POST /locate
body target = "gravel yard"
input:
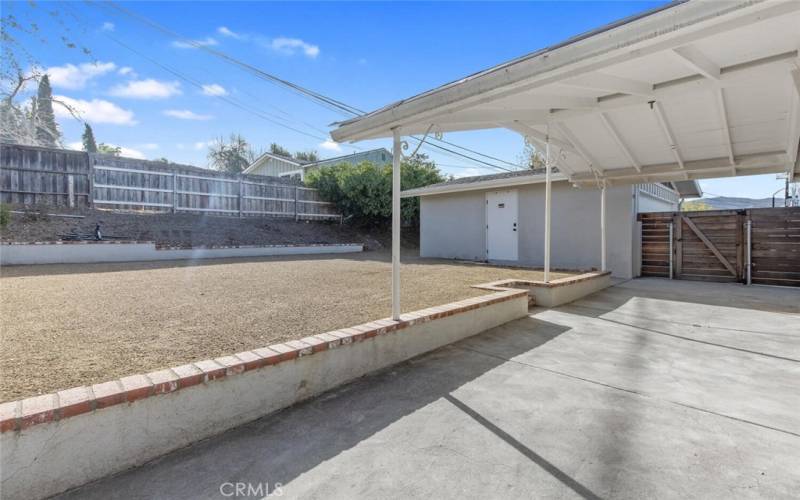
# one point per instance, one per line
(70, 325)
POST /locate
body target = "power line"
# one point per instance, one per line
(272, 118)
(326, 101)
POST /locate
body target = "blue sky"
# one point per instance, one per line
(365, 54)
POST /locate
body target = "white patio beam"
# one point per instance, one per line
(661, 118)
(543, 145)
(697, 61)
(582, 151)
(528, 131)
(618, 139)
(610, 84)
(397, 154)
(773, 161)
(726, 129)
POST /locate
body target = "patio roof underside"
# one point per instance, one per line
(697, 90)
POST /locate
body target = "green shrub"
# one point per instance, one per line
(363, 192)
(5, 215)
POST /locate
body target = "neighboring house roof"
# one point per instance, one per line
(264, 156)
(305, 164)
(350, 156)
(516, 178)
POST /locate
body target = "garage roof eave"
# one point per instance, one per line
(482, 183)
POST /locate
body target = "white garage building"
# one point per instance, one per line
(498, 218)
(690, 90)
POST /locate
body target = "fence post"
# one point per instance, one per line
(90, 162)
(174, 192)
(240, 195)
(671, 225)
(296, 212)
(71, 191)
(749, 251)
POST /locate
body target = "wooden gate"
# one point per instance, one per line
(717, 245)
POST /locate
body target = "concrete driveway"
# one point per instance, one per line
(649, 389)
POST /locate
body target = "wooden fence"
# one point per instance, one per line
(41, 176)
(760, 244)
(38, 176)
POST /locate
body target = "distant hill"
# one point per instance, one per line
(729, 202)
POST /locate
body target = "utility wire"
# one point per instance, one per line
(270, 117)
(326, 101)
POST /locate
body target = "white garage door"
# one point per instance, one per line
(501, 225)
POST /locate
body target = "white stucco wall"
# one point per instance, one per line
(453, 226)
(648, 203)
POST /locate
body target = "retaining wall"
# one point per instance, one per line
(86, 252)
(54, 442)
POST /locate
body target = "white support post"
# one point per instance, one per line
(397, 154)
(603, 258)
(547, 200)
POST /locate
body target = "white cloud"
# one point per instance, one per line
(214, 89)
(291, 46)
(130, 153)
(331, 146)
(185, 114)
(147, 89)
(150, 146)
(201, 145)
(74, 77)
(126, 71)
(206, 42)
(224, 31)
(95, 111)
(107, 26)
(123, 151)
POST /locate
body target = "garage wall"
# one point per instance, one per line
(576, 227)
(453, 226)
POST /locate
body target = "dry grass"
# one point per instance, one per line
(70, 325)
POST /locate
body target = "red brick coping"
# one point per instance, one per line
(22, 414)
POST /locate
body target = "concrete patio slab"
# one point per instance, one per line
(648, 389)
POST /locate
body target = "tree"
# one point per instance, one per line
(695, 206)
(162, 160)
(532, 158)
(89, 144)
(47, 132)
(108, 149)
(279, 150)
(363, 192)
(309, 156)
(23, 121)
(233, 156)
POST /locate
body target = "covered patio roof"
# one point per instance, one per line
(691, 90)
